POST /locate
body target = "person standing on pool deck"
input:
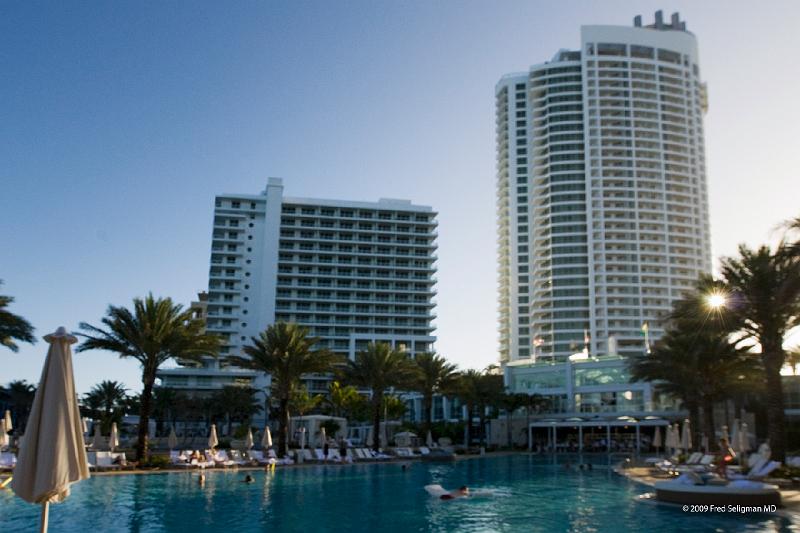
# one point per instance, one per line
(325, 449)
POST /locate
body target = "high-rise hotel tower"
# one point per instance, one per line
(601, 190)
(351, 272)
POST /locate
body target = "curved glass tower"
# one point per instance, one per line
(601, 191)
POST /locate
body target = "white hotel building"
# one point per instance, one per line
(601, 191)
(352, 272)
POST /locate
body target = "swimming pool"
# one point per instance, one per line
(530, 494)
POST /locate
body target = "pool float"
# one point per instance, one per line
(437, 491)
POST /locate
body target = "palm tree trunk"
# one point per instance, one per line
(377, 400)
(283, 427)
(427, 407)
(508, 426)
(773, 358)
(694, 419)
(145, 408)
(708, 423)
(528, 427)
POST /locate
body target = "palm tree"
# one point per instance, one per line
(510, 402)
(700, 367)
(764, 293)
(478, 391)
(13, 327)
(379, 368)
(106, 402)
(237, 404)
(155, 331)
(341, 398)
(20, 396)
(434, 376)
(287, 353)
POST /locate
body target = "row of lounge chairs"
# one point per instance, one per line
(223, 458)
(758, 466)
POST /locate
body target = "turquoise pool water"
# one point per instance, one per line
(530, 494)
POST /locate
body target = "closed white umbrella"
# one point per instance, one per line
(744, 440)
(657, 443)
(734, 442)
(212, 437)
(52, 456)
(4, 440)
(322, 437)
(429, 439)
(113, 439)
(7, 420)
(248, 442)
(370, 437)
(266, 439)
(84, 425)
(97, 441)
(172, 440)
(302, 439)
(686, 437)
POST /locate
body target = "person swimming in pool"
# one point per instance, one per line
(248, 479)
(453, 494)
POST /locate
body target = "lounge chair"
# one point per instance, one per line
(424, 450)
(319, 455)
(380, 455)
(257, 456)
(237, 458)
(306, 454)
(220, 458)
(364, 453)
(7, 460)
(334, 455)
(105, 461)
(180, 459)
(759, 474)
(350, 455)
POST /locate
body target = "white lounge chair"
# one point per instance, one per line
(334, 455)
(319, 455)
(7, 460)
(220, 458)
(424, 450)
(237, 458)
(350, 455)
(761, 473)
(306, 453)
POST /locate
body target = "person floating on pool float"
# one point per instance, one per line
(461, 492)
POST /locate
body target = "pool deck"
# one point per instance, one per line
(644, 475)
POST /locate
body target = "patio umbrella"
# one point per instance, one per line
(266, 439)
(113, 439)
(302, 438)
(212, 437)
(657, 438)
(4, 441)
(734, 442)
(370, 437)
(7, 420)
(97, 441)
(172, 440)
(744, 440)
(686, 437)
(52, 456)
(429, 439)
(322, 437)
(84, 425)
(248, 442)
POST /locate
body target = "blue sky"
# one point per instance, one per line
(121, 121)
